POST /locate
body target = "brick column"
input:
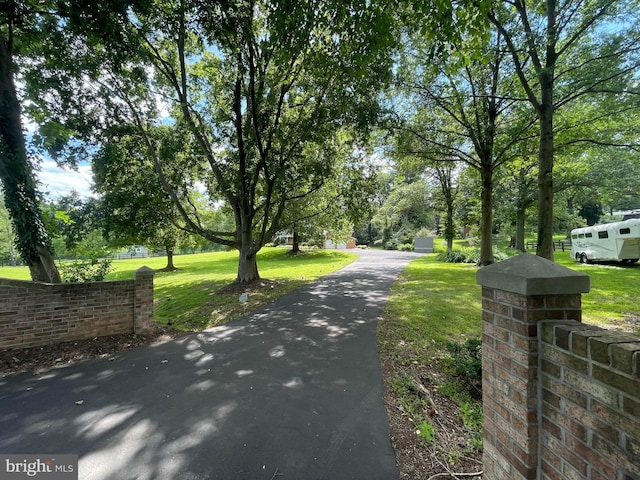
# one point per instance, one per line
(516, 295)
(143, 302)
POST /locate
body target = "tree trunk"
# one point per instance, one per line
(17, 178)
(486, 222)
(247, 266)
(449, 231)
(521, 216)
(247, 247)
(170, 266)
(545, 169)
(296, 242)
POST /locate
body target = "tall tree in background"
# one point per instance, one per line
(465, 113)
(136, 210)
(445, 174)
(563, 51)
(343, 199)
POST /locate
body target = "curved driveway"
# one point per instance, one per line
(292, 391)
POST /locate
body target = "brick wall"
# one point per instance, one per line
(561, 399)
(33, 314)
(590, 385)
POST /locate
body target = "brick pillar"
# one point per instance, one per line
(516, 294)
(143, 302)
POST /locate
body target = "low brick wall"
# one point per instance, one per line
(561, 399)
(590, 379)
(34, 314)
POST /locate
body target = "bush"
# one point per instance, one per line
(93, 270)
(470, 255)
(500, 255)
(391, 244)
(464, 255)
(467, 362)
(425, 232)
(407, 247)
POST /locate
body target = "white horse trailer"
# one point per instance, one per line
(618, 241)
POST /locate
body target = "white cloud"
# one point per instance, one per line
(56, 181)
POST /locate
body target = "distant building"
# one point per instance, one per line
(347, 244)
(283, 238)
(137, 251)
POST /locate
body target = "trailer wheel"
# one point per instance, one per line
(584, 258)
(579, 257)
(631, 261)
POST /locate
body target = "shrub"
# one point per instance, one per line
(464, 255)
(467, 362)
(406, 247)
(425, 232)
(500, 255)
(391, 244)
(93, 270)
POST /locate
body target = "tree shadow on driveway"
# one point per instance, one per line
(293, 389)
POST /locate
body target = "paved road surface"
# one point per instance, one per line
(291, 392)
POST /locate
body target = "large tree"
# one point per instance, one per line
(564, 51)
(135, 208)
(20, 25)
(254, 87)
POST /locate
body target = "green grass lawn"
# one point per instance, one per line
(189, 298)
(613, 299)
(434, 303)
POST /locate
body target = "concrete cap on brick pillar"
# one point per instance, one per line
(528, 274)
(144, 271)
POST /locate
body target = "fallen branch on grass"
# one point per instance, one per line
(455, 475)
(425, 395)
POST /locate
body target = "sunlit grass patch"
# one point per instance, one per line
(613, 299)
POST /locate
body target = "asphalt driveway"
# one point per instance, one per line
(292, 391)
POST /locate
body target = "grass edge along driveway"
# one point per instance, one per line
(433, 303)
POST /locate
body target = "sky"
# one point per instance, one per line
(56, 182)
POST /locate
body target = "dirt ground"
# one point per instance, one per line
(39, 359)
(444, 458)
